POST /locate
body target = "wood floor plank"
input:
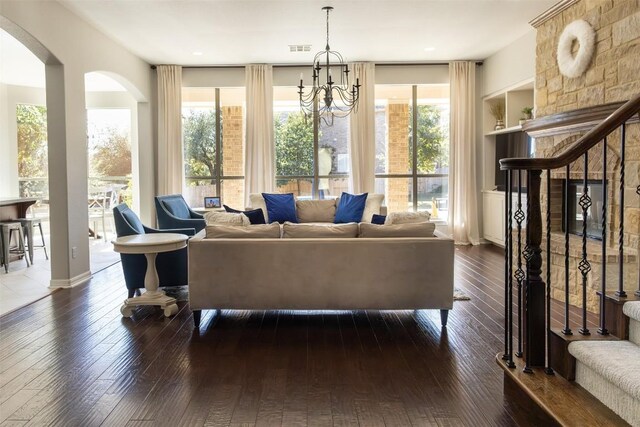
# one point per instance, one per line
(71, 359)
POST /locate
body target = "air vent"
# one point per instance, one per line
(299, 48)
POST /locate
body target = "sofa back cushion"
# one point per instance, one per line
(319, 231)
(418, 229)
(316, 210)
(407, 217)
(261, 231)
(226, 218)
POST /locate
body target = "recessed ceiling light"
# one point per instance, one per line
(429, 49)
(197, 53)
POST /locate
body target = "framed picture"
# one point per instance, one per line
(212, 202)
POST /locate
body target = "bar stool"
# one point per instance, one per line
(6, 232)
(28, 224)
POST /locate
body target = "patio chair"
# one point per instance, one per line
(171, 266)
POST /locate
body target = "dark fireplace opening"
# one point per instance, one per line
(594, 212)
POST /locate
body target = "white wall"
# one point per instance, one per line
(70, 48)
(511, 65)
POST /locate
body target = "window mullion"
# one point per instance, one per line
(414, 143)
(218, 143)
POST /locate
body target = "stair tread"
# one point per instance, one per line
(617, 361)
(566, 402)
(632, 310)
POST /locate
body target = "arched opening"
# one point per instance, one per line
(111, 144)
(24, 183)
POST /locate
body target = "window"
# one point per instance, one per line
(212, 127)
(412, 167)
(310, 161)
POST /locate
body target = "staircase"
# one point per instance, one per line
(571, 375)
(610, 370)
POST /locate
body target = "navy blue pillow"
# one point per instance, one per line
(280, 207)
(255, 216)
(378, 219)
(350, 208)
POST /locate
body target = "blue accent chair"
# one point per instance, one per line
(171, 266)
(173, 212)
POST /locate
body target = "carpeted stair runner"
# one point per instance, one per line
(610, 370)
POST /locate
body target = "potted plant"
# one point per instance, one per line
(527, 113)
(497, 111)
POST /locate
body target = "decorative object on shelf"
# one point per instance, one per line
(496, 109)
(323, 97)
(582, 33)
(527, 113)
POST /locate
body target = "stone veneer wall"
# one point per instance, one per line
(232, 156)
(398, 116)
(613, 75)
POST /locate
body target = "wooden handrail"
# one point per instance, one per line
(581, 146)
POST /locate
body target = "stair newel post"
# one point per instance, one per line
(620, 292)
(519, 275)
(547, 345)
(534, 295)
(507, 262)
(567, 328)
(584, 266)
(602, 330)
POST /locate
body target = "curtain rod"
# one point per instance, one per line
(377, 64)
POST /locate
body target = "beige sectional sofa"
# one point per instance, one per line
(266, 267)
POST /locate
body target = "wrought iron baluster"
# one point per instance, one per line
(584, 266)
(602, 330)
(567, 329)
(519, 274)
(620, 292)
(509, 244)
(547, 368)
(507, 257)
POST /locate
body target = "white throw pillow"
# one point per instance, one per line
(226, 218)
(407, 217)
(257, 202)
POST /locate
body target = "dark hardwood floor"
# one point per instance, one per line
(72, 360)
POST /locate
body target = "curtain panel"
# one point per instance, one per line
(463, 205)
(260, 145)
(170, 161)
(362, 129)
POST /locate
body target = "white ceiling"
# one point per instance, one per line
(254, 31)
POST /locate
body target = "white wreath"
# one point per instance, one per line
(581, 32)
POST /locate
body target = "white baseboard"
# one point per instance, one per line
(72, 282)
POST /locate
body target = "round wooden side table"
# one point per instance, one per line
(150, 245)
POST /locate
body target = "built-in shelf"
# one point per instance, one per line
(505, 130)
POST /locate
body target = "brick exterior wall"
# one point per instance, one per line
(397, 189)
(613, 75)
(232, 156)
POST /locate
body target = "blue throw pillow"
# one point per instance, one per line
(177, 207)
(378, 219)
(280, 207)
(350, 208)
(255, 216)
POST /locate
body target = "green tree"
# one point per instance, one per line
(32, 140)
(199, 144)
(113, 156)
(433, 139)
(294, 144)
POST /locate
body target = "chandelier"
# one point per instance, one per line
(333, 98)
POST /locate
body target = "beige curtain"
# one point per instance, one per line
(260, 146)
(170, 164)
(362, 141)
(463, 205)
